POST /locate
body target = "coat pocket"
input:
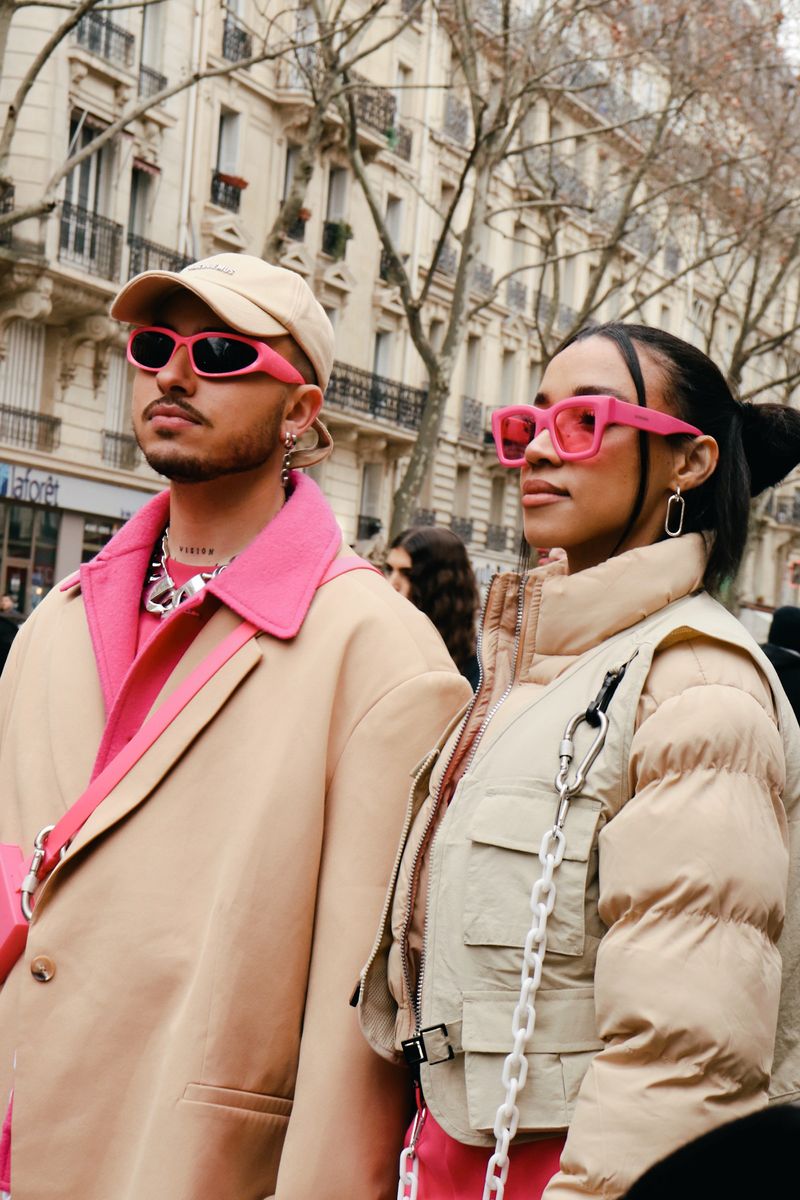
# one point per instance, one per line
(506, 831)
(563, 1044)
(244, 1102)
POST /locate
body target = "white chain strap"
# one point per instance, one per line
(409, 1163)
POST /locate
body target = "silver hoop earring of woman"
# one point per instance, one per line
(676, 510)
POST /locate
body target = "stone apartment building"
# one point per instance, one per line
(205, 171)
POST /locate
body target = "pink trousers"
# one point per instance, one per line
(449, 1170)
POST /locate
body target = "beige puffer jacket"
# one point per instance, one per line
(657, 1013)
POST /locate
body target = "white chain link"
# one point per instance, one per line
(409, 1163)
(515, 1067)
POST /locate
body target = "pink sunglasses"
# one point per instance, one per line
(212, 355)
(576, 426)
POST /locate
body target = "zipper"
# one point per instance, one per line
(415, 997)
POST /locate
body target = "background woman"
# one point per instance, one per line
(630, 1001)
(431, 568)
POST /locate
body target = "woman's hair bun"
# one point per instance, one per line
(771, 438)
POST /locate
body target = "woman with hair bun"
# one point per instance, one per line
(431, 568)
(591, 948)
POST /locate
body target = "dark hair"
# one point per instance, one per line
(443, 585)
(758, 443)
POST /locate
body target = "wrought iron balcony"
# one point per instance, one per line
(408, 6)
(149, 256)
(35, 430)
(225, 192)
(456, 119)
(482, 279)
(297, 230)
(385, 268)
(150, 81)
(366, 394)
(424, 516)
(472, 419)
(497, 538)
(376, 106)
(120, 450)
(95, 32)
(462, 527)
(551, 171)
(401, 142)
(90, 241)
(6, 206)
(237, 43)
(335, 236)
(516, 295)
(368, 526)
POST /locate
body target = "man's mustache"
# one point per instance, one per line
(175, 402)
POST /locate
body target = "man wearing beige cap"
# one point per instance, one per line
(178, 1025)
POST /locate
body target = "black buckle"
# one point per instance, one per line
(415, 1050)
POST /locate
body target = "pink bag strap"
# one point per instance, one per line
(151, 730)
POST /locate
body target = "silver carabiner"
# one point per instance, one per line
(566, 787)
(31, 880)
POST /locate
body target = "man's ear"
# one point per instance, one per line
(302, 408)
(695, 462)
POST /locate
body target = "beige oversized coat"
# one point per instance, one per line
(208, 923)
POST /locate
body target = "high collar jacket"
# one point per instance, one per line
(667, 975)
(193, 1034)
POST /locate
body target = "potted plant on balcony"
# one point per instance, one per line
(337, 235)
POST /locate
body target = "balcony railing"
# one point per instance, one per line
(370, 395)
(482, 279)
(516, 295)
(6, 206)
(149, 256)
(401, 142)
(297, 230)
(462, 527)
(375, 106)
(225, 192)
(551, 171)
(497, 538)
(95, 32)
(237, 43)
(335, 236)
(120, 450)
(34, 430)
(90, 241)
(456, 119)
(424, 516)
(472, 419)
(150, 81)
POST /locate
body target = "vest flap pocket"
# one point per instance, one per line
(505, 830)
(517, 817)
(565, 1022)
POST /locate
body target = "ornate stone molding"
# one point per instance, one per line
(28, 297)
(103, 333)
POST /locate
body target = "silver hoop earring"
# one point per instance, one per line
(289, 442)
(676, 514)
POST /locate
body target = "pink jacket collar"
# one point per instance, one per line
(272, 583)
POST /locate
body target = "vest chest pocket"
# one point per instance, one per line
(505, 831)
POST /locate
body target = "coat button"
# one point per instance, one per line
(43, 968)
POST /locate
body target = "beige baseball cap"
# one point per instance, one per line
(253, 297)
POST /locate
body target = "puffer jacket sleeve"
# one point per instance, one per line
(693, 878)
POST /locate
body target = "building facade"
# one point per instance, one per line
(205, 171)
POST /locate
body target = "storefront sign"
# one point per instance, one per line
(52, 490)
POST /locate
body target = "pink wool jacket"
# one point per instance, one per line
(207, 925)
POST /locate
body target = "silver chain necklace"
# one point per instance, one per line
(165, 596)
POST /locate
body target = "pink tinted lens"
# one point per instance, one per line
(516, 432)
(575, 428)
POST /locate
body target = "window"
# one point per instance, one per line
(497, 504)
(508, 376)
(138, 210)
(369, 519)
(332, 315)
(228, 142)
(152, 37)
(117, 390)
(86, 184)
(665, 317)
(472, 368)
(292, 155)
(336, 208)
(402, 91)
(436, 333)
(394, 218)
(22, 368)
(382, 353)
(462, 491)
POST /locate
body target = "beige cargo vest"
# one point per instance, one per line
(483, 863)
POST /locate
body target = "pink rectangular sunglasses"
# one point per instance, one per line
(212, 355)
(576, 426)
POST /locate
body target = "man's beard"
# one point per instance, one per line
(245, 453)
